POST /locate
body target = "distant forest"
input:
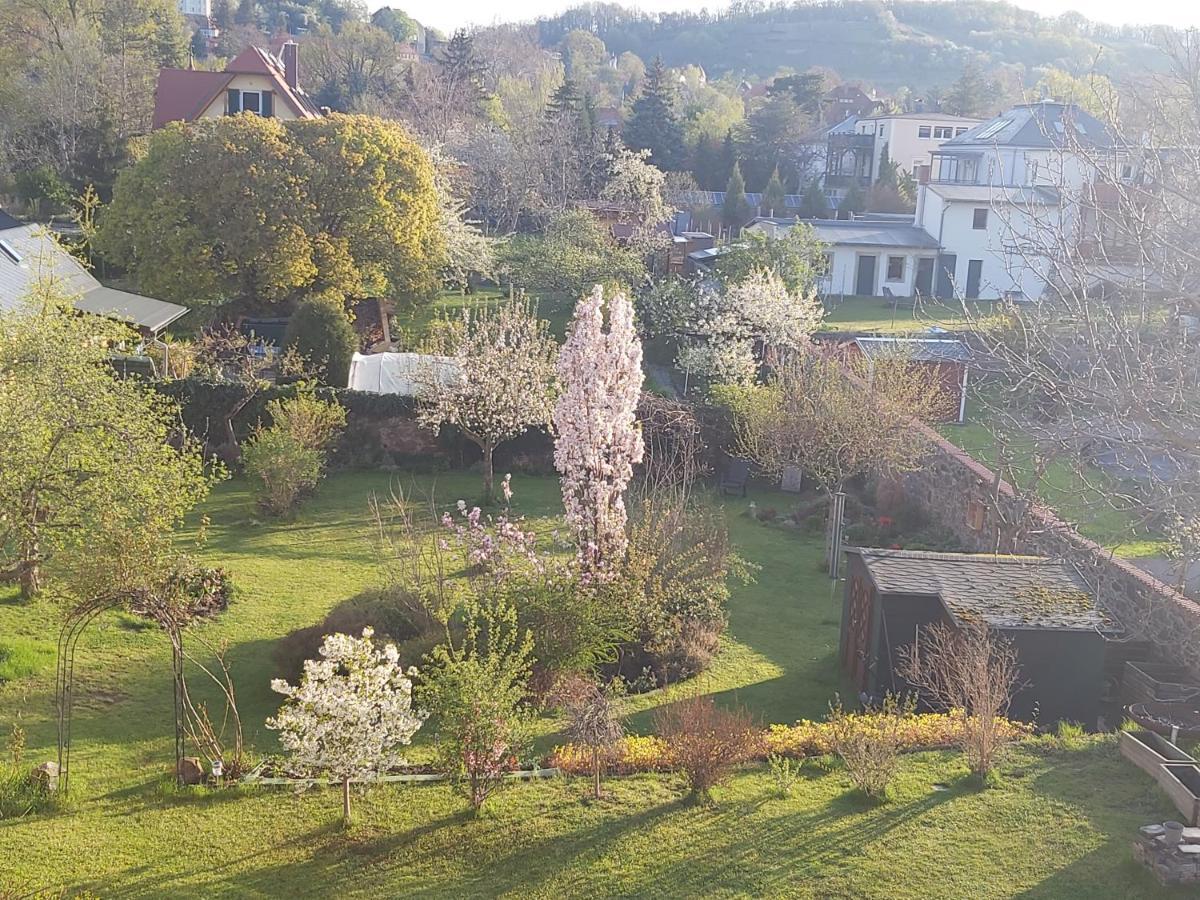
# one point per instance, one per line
(917, 43)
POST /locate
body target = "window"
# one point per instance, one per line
(975, 514)
(895, 268)
(924, 131)
(261, 103)
(994, 129)
(979, 221)
(962, 129)
(942, 132)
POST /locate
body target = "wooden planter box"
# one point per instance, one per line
(1181, 781)
(1149, 751)
(1145, 682)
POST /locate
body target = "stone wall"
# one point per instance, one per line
(988, 515)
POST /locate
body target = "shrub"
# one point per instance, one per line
(476, 689)
(379, 610)
(287, 460)
(21, 794)
(320, 331)
(283, 470)
(593, 721)
(923, 731)
(705, 742)
(870, 745)
(785, 772)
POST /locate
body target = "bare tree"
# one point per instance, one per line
(969, 671)
(593, 720)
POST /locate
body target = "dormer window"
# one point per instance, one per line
(261, 103)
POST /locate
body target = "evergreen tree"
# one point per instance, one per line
(971, 94)
(736, 210)
(814, 204)
(889, 173)
(855, 201)
(565, 101)
(653, 122)
(728, 157)
(774, 201)
(222, 15)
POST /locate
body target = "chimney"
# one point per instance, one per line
(291, 64)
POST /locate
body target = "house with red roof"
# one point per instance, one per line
(255, 81)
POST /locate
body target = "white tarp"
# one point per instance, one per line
(397, 373)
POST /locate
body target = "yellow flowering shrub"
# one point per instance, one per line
(921, 731)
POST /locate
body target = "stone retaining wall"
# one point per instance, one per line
(988, 515)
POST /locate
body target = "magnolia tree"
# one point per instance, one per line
(499, 381)
(599, 440)
(351, 712)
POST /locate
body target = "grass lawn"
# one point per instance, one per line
(1059, 827)
(554, 308)
(874, 314)
(1080, 499)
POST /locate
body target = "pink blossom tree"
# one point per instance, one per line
(598, 439)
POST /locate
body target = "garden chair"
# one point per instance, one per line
(737, 473)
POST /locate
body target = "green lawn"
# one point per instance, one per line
(874, 314)
(1058, 827)
(1083, 498)
(555, 308)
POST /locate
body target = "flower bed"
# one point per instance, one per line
(923, 731)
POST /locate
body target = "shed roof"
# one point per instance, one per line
(1006, 592)
(41, 257)
(873, 233)
(7, 221)
(919, 349)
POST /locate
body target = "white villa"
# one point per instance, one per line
(992, 200)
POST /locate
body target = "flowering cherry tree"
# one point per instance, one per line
(502, 381)
(351, 712)
(598, 438)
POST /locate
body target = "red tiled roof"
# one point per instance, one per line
(182, 94)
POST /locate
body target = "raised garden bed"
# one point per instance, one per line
(1148, 682)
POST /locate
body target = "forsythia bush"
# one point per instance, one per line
(918, 732)
(923, 731)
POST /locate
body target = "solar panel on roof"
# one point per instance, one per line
(993, 129)
(10, 251)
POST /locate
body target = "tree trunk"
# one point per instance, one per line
(30, 569)
(489, 475)
(346, 801)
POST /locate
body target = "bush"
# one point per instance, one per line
(320, 331)
(287, 460)
(379, 610)
(21, 794)
(785, 772)
(923, 731)
(282, 470)
(870, 745)
(705, 742)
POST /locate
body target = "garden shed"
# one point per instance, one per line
(1040, 605)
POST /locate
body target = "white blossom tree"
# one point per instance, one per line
(500, 381)
(728, 324)
(351, 712)
(598, 439)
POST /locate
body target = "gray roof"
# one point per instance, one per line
(1045, 124)
(7, 221)
(41, 257)
(1004, 591)
(873, 234)
(918, 349)
(982, 193)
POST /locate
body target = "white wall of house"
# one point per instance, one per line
(895, 269)
(902, 134)
(202, 8)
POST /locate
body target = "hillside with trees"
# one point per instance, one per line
(904, 43)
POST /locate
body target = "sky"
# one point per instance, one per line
(449, 15)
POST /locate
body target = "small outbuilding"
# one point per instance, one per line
(948, 358)
(1042, 606)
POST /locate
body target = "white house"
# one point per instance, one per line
(990, 204)
(856, 147)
